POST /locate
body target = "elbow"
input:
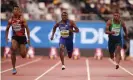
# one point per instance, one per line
(106, 32)
(7, 29)
(77, 31)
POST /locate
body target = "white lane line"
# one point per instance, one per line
(22, 65)
(88, 70)
(122, 67)
(48, 70)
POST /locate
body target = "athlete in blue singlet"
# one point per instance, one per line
(114, 29)
(66, 40)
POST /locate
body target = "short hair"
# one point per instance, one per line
(64, 13)
(16, 6)
(116, 11)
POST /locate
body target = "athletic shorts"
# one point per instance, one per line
(68, 43)
(112, 44)
(20, 39)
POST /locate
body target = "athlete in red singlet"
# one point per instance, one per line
(19, 39)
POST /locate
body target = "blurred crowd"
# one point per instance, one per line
(77, 9)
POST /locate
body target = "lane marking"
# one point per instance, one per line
(22, 65)
(50, 69)
(121, 67)
(88, 70)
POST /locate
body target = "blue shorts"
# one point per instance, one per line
(112, 44)
(68, 44)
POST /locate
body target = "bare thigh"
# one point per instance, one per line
(23, 50)
(14, 46)
(62, 47)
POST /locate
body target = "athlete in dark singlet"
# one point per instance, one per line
(66, 40)
(114, 30)
(19, 40)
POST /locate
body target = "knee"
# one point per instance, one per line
(111, 55)
(118, 48)
(70, 56)
(13, 49)
(61, 49)
(13, 55)
(23, 54)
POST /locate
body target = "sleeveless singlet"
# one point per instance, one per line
(17, 27)
(116, 27)
(64, 29)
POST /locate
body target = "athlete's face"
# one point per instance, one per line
(64, 16)
(116, 16)
(16, 11)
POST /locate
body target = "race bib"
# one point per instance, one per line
(64, 33)
(17, 28)
(116, 30)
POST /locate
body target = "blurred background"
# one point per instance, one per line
(89, 15)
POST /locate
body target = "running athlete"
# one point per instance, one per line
(114, 28)
(18, 39)
(66, 40)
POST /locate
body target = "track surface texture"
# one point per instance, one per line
(86, 68)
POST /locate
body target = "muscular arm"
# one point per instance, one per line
(54, 29)
(124, 28)
(76, 29)
(107, 27)
(26, 27)
(7, 28)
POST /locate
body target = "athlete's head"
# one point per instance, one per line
(16, 10)
(116, 15)
(64, 16)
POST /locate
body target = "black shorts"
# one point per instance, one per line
(112, 44)
(20, 39)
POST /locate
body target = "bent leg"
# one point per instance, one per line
(13, 54)
(69, 47)
(62, 48)
(23, 50)
(118, 54)
(111, 47)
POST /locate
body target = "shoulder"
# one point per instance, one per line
(122, 22)
(22, 19)
(71, 21)
(57, 24)
(109, 21)
(10, 20)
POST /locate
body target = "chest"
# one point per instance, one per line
(64, 26)
(16, 23)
